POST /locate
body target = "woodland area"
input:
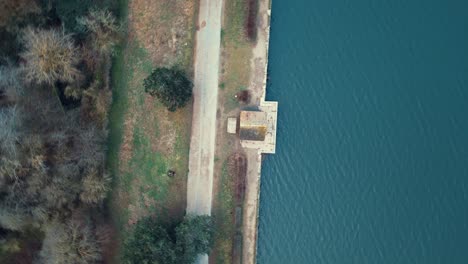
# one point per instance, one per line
(55, 58)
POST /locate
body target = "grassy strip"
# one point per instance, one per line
(224, 217)
(237, 51)
(145, 141)
(145, 174)
(234, 21)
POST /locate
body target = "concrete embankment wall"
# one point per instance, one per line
(252, 199)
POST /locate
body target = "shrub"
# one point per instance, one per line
(102, 28)
(73, 92)
(96, 102)
(171, 86)
(194, 236)
(94, 187)
(50, 56)
(149, 243)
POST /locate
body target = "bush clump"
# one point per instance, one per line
(151, 243)
(194, 236)
(171, 86)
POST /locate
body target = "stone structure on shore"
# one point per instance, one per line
(257, 129)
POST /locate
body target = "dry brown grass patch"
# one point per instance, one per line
(161, 27)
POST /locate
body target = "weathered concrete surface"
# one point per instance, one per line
(259, 61)
(250, 216)
(259, 64)
(267, 146)
(202, 145)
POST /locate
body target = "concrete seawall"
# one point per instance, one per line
(258, 84)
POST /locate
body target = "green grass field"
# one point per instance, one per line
(237, 52)
(224, 218)
(145, 140)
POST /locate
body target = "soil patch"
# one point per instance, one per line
(238, 170)
(244, 97)
(251, 21)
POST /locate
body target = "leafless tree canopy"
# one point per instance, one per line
(72, 242)
(103, 28)
(50, 56)
(52, 152)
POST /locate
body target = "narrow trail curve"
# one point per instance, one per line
(202, 144)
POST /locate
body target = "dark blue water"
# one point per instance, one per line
(372, 155)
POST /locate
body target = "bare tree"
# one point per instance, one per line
(63, 187)
(103, 29)
(73, 242)
(94, 187)
(33, 150)
(50, 56)
(90, 147)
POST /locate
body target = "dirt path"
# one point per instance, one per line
(202, 145)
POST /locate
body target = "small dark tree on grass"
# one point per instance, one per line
(194, 236)
(150, 242)
(171, 86)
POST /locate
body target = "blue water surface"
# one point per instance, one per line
(372, 155)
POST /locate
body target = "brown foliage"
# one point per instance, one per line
(50, 56)
(52, 159)
(54, 152)
(73, 242)
(96, 103)
(94, 187)
(103, 30)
